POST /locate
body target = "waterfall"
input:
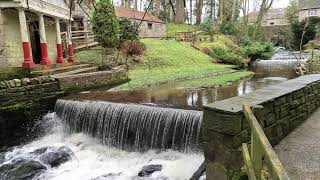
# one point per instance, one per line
(131, 126)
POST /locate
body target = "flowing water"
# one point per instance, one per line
(119, 132)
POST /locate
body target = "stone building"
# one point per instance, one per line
(274, 17)
(151, 26)
(309, 8)
(30, 32)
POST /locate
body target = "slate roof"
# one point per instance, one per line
(309, 4)
(136, 15)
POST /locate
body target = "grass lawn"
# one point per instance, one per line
(215, 80)
(92, 55)
(173, 28)
(219, 41)
(167, 60)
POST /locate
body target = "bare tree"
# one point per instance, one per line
(179, 6)
(264, 7)
(190, 11)
(199, 5)
(157, 7)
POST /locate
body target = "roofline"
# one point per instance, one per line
(143, 20)
(300, 9)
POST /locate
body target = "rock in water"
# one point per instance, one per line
(21, 169)
(148, 170)
(56, 157)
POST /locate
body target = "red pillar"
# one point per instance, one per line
(43, 41)
(70, 45)
(59, 44)
(28, 62)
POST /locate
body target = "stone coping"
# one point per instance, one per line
(234, 105)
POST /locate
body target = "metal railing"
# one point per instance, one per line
(262, 162)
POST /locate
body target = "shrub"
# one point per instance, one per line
(257, 50)
(207, 51)
(105, 24)
(225, 55)
(133, 48)
(244, 41)
(128, 31)
(229, 28)
(209, 27)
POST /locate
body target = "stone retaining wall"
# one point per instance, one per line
(18, 90)
(279, 109)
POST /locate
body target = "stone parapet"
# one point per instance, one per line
(279, 109)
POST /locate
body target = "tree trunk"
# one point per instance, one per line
(211, 9)
(190, 15)
(233, 10)
(179, 6)
(199, 4)
(265, 6)
(157, 7)
(221, 10)
(136, 5)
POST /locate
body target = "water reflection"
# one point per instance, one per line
(267, 72)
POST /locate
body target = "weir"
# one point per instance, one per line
(131, 126)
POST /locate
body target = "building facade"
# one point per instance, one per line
(274, 17)
(151, 26)
(30, 32)
(309, 8)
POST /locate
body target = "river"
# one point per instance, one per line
(94, 158)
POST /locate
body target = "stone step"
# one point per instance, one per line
(78, 71)
(57, 70)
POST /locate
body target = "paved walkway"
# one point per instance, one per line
(299, 152)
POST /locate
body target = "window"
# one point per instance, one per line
(312, 12)
(271, 23)
(149, 25)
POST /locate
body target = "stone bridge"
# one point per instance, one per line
(280, 110)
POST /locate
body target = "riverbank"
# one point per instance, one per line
(169, 60)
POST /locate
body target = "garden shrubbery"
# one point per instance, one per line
(257, 50)
(227, 56)
(134, 49)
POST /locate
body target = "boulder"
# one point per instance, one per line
(40, 151)
(149, 169)
(21, 168)
(56, 157)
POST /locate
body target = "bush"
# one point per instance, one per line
(105, 24)
(257, 50)
(229, 28)
(244, 41)
(225, 55)
(133, 48)
(207, 51)
(128, 31)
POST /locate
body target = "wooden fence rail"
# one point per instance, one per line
(262, 156)
(81, 39)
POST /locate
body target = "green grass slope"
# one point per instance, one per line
(168, 60)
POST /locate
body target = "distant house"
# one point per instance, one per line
(151, 26)
(274, 17)
(309, 8)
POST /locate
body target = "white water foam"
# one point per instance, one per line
(93, 159)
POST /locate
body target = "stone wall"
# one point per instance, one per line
(13, 92)
(84, 81)
(279, 109)
(157, 29)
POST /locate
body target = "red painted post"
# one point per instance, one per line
(28, 62)
(70, 46)
(43, 41)
(59, 43)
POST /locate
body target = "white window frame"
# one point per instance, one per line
(312, 12)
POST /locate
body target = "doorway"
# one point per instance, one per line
(35, 41)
